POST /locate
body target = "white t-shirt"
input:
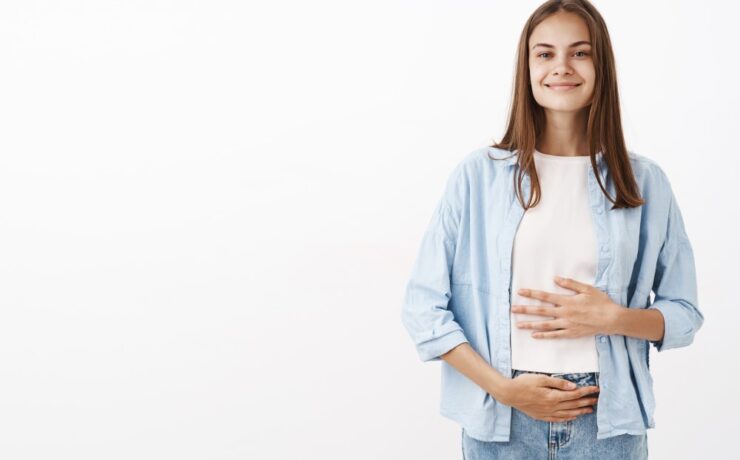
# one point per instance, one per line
(556, 237)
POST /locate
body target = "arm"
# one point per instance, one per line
(471, 364)
(641, 323)
(438, 336)
(424, 314)
(673, 319)
(541, 397)
(670, 322)
(674, 285)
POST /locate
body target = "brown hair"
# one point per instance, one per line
(604, 127)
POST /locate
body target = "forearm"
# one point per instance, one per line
(469, 363)
(639, 322)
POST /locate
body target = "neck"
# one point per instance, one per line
(564, 134)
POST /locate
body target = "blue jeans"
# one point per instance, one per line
(537, 439)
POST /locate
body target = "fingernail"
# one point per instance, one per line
(571, 385)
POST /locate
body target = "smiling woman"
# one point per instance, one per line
(531, 283)
(560, 63)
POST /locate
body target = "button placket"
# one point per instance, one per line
(597, 200)
(506, 246)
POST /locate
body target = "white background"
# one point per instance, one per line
(209, 209)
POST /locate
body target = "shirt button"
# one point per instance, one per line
(599, 210)
(603, 339)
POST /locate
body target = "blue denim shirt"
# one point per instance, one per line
(460, 287)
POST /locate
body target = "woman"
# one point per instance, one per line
(534, 366)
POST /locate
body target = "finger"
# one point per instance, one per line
(535, 310)
(579, 393)
(553, 298)
(544, 325)
(576, 403)
(552, 334)
(560, 384)
(573, 285)
(572, 412)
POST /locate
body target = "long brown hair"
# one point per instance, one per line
(604, 127)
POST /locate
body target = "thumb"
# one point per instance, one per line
(561, 384)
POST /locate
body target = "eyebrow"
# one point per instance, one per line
(579, 43)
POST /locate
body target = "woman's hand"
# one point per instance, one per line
(589, 312)
(548, 398)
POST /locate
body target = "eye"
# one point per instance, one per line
(585, 53)
(540, 55)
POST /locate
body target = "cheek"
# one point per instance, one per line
(535, 79)
(588, 73)
(537, 90)
(589, 88)
(536, 73)
(535, 68)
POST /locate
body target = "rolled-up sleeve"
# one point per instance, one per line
(424, 311)
(675, 284)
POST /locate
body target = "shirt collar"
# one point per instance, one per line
(511, 158)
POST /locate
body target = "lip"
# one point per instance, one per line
(563, 86)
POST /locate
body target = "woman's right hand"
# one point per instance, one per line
(548, 398)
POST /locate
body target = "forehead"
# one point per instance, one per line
(560, 29)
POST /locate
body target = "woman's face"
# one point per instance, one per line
(560, 52)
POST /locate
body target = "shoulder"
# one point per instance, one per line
(480, 162)
(472, 170)
(483, 161)
(643, 164)
(649, 174)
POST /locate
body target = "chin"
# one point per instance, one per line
(559, 106)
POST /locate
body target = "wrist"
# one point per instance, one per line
(500, 388)
(614, 319)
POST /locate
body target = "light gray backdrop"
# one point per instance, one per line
(209, 210)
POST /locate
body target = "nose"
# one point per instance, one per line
(562, 67)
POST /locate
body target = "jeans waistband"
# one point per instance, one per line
(579, 378)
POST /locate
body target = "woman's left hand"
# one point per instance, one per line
(589, 312)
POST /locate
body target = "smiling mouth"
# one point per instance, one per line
(563, 87)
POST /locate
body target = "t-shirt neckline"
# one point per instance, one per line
(569, 158)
